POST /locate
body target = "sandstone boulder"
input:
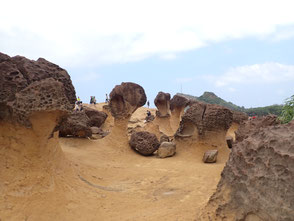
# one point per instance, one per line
(144, 142)
(210, 156)
(28, 86)
(166, 149)
(257, 181)
(162, 102)
(125, 99)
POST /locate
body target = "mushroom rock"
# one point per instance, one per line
(125, 99)
(177, 105)
(34, 95)
(205, 122)
(257, 181)
(162, 102)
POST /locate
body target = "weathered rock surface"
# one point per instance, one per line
(125, 99)
(257, 181)
(144, 142)
(98, 133)
(178, 103)
(76, 124)
(239, 117)
(204, 118)
(97, 118)
(254, 125)
(166, 149)
(28, 86)
(164, 138)
(210, 156)
(162, 102)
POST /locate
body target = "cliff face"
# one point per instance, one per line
(257, 181)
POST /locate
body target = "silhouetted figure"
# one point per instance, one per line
(148, 104)
(106, 99)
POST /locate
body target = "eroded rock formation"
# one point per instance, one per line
(205, 121)
(34, 95)
(257, 181)
(178, 104)
(162, 102)
(125, 99)
(144, 142)
(239, 117)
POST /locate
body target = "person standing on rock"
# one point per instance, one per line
(106, 99)
(148, 104)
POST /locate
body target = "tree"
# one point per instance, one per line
(288, 110)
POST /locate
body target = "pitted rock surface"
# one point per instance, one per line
(239, 117)
(77, 124)
(206, 117)
(259, 177)
(162, 102)
(254, 125)
(144, 142)
(178, 102)
(28, 86)
(97, 118)
(125, 99)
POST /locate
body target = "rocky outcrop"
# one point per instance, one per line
(204, 119)
(77, 124)
(97, 118)
(144, 142)
(34, 96)
(166, 149)
(239, 117)
(255, 124)
(125, 99)
(28, 86)
(178, 103)
(162, 102)
(257, 181)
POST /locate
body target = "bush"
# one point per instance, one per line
(288, 110)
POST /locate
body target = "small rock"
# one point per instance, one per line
(164, 138)
(210, 156)
(95, 130)
(166, 149)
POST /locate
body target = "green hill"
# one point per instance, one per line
(211, 98)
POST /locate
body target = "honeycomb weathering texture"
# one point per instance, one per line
(206, 118)
(178, 102)
(258, 176)
(125, 99)
(144, 142)
(28, 86)
(162, 102)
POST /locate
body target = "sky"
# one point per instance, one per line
(243, 51)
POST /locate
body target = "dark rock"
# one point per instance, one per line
(239, 117)
(178, 102)
(144, 142)
(97, 118)
(229, 141)
(162, 102)
(164, 138)
(125, 99)
(76, 124)
(28, 86)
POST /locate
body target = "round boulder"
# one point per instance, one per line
(144, 142)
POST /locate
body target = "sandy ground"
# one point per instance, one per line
(105, 180)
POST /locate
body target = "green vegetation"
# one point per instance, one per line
(288, 110)
(211, 98)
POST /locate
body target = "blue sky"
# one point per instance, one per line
(241, 50)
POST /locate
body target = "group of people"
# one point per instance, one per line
(93, 100)
(78, 105)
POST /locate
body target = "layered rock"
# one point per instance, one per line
(257, 181)
(144, 142)
(162, 102)
(34, 95)
(205, 121)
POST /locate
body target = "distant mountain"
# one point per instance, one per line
(211, 98)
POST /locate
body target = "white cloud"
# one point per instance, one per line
(267, 73)
(97, 32)
(168, 57)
